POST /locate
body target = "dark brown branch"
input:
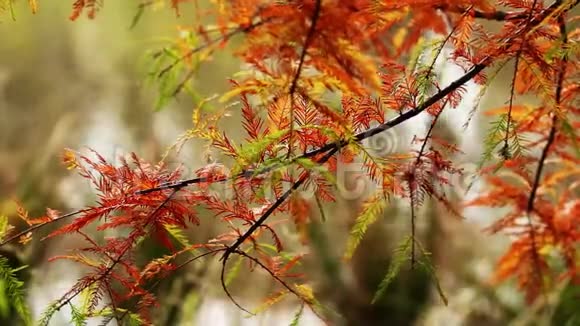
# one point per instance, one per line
(411, 193)
(180, 266)
(440, 49)
(545, 153)
(496, 15)
(225, 286)
(341, 143)
(309, 37)
(505, 150)
(234, 247)
(114, 308)
(413, 227)
(294, 84)
(264, 267)
(67, 298)
(331, 149)
(276, 277)
(247, 174)
(274, 206)
(553, 129)
(476, 69)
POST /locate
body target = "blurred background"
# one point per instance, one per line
(81, 85)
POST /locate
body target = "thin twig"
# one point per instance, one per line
(180, 266)
(505, 150)
(331, 148)
(223, 37)
(225, 287)
(340, 143)
(274, 206)
(440, 49)
(544, 156)
(69, 296)
(38, 226)
(294, 84)
(259, 263)
(413, 201)
(476, 69)
(241, 239)
(496, 15)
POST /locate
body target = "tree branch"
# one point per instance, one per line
(372, 131)
(67, 298)
(272, 208)
(496, 15)
(544, 156)
(307, 42)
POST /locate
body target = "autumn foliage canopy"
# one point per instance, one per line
(320, 77)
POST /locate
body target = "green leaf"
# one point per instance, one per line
(169, 73)
(82, 311)
(13, 290)
(297, 316)
(234, 271)
(310, 165)
(48, 313)
(319, 242)
(250, 152)
(496, 137)
(373, 208)
(320, 208)
(8, 5)
(178, 234)
(400, 256)
(417, 51)
(4, 226)
(426, 264)
(78, 317)
(4, 301)
(270, 301)
(274, 250)
(130, 319)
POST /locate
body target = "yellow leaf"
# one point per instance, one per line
(270, 301)
(5, 227)
(365, 64)
(158, 5)
(69, 159)
(33, 6)
(226, 97)
(517, 112)
(372, 210)
(399, 37)
(547, 250)
(388, 15)
(305, 292)
(24, 239)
